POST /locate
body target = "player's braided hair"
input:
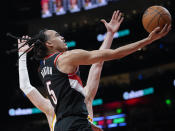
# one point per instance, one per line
(39, 46)
(37, 43)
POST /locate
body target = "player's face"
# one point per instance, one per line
(56, 41)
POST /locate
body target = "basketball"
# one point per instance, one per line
(155, 16)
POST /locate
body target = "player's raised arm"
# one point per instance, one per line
(112, 27)
(82, 57)
(95, 70)
(31, 92)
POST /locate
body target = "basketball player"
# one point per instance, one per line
(60, 75)
(44, 104)
(92, 83)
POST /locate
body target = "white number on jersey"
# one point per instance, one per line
(51, 92)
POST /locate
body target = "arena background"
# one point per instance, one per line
(136, 93)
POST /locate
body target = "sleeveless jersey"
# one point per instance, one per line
(65, 91)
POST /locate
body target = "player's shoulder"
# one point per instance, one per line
(72, 52)
(69, 56)
(75, 50)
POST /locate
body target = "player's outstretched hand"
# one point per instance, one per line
(115, 22)
(21, 42)
(157, 33)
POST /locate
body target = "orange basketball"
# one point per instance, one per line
(155, 16)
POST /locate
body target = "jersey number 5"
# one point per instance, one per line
(51, 92)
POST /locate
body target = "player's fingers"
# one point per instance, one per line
(156, 30)
(164, 29)
(104, 21)
(113, 15)
(119, 16)
(27, 38)
(168, 29)
(22, 40)
(116, 15)
(121, 20)
(19, 41)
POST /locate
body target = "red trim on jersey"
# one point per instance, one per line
(50, 55)
(74, 73)
(76, 77)
(57, 58)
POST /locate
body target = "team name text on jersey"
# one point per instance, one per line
(46, 71)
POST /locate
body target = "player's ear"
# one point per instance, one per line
(48, 43)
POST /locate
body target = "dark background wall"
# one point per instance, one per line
(155, 63)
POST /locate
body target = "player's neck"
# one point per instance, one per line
(52, 52)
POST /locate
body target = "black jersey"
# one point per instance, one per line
(65, 91)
